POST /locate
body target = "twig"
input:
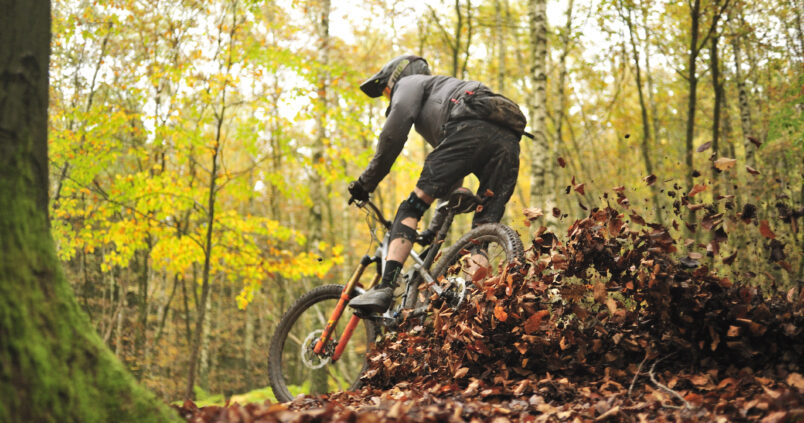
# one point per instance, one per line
(636, 375)
(665, 388)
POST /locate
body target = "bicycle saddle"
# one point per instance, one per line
(462, 200)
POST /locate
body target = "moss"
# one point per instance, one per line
(53, 366)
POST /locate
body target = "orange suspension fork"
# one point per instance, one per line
(350, 328)
(336, 314)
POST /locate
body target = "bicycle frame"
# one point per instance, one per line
(421, 268)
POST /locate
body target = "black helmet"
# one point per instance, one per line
(392, 72)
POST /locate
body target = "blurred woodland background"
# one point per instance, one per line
(200, 150)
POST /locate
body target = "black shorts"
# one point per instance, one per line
(482, 148)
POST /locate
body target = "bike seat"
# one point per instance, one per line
(462, 200)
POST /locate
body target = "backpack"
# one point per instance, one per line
(483, 104)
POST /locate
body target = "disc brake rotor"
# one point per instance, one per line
(309, 357)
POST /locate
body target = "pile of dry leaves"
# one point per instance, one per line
(608, 323)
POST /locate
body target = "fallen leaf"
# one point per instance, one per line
(724, 163)
(562, 162)
(535, 321)
(796, 380)
(500, 313)
(703, 147)
(696, 189)
(765, 230)
(533, 213)
(751, 170)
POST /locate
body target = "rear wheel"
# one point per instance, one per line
(294, 368)
(500, 243)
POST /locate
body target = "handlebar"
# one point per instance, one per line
(375, 210)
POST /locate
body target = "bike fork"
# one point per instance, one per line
(336, 314)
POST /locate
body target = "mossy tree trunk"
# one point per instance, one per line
(53, 366)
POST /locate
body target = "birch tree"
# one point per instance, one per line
(540, 154)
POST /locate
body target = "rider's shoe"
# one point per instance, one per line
(375, 300)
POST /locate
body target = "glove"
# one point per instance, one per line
(357, 192)
(425, 237)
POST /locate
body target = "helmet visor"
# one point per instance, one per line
(373, 86)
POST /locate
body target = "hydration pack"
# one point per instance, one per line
(483, 104)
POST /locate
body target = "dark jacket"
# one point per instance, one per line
(420, 100)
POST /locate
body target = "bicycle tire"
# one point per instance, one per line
(497, 233)
(289, 319)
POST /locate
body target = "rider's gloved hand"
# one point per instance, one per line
(425, 237)
(357, 192)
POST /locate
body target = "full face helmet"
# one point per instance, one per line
(394, 70)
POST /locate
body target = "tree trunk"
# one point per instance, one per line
(220, 118)
(692, 78)
(646, 139)
(54, 365)
(537, 15)
(742, 101)
(317, 191)
(717, 85)
(654, 110)
(203, 354)
(500, 42)
(248, 345)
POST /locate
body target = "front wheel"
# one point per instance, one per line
(294, 368)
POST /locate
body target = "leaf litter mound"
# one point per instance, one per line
(609, 324)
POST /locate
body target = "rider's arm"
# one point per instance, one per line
(405, 105)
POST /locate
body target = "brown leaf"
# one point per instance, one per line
(556, 212)
(724, 163)
(500, 313)
(754, 141)
(730, 259)
(533, 213)
(765, 230)
(637, 219)
(579, 189)
(795, 380)
(703, 147)
(534, 322)
(650, 179)
(562, 162)
(751, 170)
(696, 189)
(461, 372)
(612, 305)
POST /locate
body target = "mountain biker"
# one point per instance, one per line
(464, 143)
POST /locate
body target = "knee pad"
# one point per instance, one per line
(412, 207)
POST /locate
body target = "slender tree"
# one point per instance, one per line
(540, 155)
(626, 14)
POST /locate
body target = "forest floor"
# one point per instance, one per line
(609, 323)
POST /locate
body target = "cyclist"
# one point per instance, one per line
(463, 143)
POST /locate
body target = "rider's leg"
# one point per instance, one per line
(400, 246)
(497, 178)
(403, 233)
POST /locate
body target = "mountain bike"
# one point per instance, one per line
(321, 345)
